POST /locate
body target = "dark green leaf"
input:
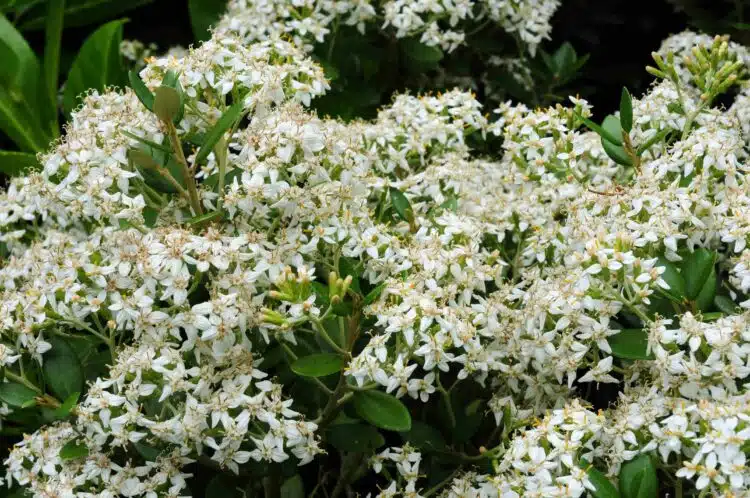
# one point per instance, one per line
(401, 204)
(382, 410)
(73, 449)
(17, 163)
(21, 90)
(97, 65)
(53, 37)
(695, 270)
(351, 267)
(318, 365)
(221, 486)
(638, 479)
(225, 122)
(205, 217)
(424, 437)
(141, 90)
(149, 453)
(626, 110)
(293, 487)
(603, 487)
(355, 437)
(80, 12)
(673, 278)
(705, 298)
(62, 369)
(420, 52)
(203, 15)
(726, 305)
(15, 394)
(167, 103)
(630, 344)
(565, 57)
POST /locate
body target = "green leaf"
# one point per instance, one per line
(382, 410)
(418, 51)
(695, 270)
(705, 298)
(21, 90)
(630, 344)
(626, 110)
(374, 294)
(565, 56)
(53, 38)
(221, 486)
(617, 153)
(73, 449)
(318, 365)
(15, 394)
(205, 217)
(293, 488)
(62, 369)
(149, 453)
(401, 204)
(424, 437)
(355, 437)
(17, 163)
(603, 487)
(97, 65)
(726, 305)
(141, 90)
(80, 12)
(351, 267)
(147, 162)
(167, 103)
(638, 479)
(225, 122)
(673, 279)
(203, 15)
(613, 128)
(606, 136)
(70, 402)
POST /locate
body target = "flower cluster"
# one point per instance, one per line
(205, 234)
(435, 22)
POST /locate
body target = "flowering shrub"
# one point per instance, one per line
(209, 279)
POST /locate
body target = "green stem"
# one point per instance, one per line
(447, 401)
(323, 334)
(192, 189)
(22, 380)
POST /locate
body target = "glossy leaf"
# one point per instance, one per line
(695, 270)
(604, 134)
(617, 153)
(630, 344)
(638, 479)
(53, 39)
(705, 298)
(318, 365)
(62, 369)
(73, 449)
(70, 402)
(141, 90)
(203, 15)
(15, 394)
(97, 65)
(726, 305)
(355, 437)
(613, 128)
(80, 12)
(225, 122)
(374, 294)
(21, 90)
(401, 204)
(673, 278)
(424, 436)
(603, 487)
(382, 410)
(14, 163)
(626, 110)
(292, 488)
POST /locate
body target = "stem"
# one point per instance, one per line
(322, 332)
(437, 487)
(22, 380)
(221, 158)
(447, 401)
(690, 119)
(192, 190)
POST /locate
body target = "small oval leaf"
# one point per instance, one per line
(401, 204)
(318, 365)
(695, 270)
(705, 298)
(603, 487)
(167, 103)
(673, 278)
(16, 394)
(638, 479)
(62, 369)
(141, 90)
(382, 410)
(630, 344)
(73, 449)
(626, 110)
(616, 153)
